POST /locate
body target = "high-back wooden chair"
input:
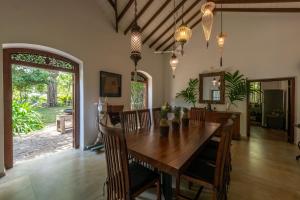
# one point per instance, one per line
(114, 113)
(124, 181)
(144, 118)
(156, 116)
(129, 121)
(197, 115)
(207, 175)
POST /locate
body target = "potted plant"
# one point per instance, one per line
(185, 117)
(190, 93)
(176, 119)
(237, 88)
(163, 124)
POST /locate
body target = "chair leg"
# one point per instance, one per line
(215, 195)
(158, 190)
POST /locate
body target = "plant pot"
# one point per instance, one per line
(175, 126)
(164, 130)
(185, 122)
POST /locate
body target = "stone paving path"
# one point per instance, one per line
(40, 143)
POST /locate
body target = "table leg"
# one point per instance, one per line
(167, 186)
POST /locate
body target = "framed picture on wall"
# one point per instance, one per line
(110, 84)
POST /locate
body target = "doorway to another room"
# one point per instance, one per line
(271, 112)
(41, 92)
(139, 91)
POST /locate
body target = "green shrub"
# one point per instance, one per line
(25, 119)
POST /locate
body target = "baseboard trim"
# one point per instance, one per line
(2, 174)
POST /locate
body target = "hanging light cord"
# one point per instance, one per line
(182, 14)
(135, 10)
(174, 17)
(221, 18)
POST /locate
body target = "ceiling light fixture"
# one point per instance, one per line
(221, 39)
(183, 33)
(136, 41)
(207, 19)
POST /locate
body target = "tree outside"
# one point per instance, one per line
(138, 95)
(38, 96)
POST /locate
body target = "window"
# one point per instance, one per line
(139, 91)
(215, 95)
(255, 97)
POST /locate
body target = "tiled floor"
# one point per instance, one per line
(262, 170)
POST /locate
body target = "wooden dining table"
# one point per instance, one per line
(170, 153)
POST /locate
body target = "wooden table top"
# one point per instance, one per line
(172, 152)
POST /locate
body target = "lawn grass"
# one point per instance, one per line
(48, 115)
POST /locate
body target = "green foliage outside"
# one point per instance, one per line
(237, 88)
(137, 95)
(25, 119)
(190, 93)
(31, 109)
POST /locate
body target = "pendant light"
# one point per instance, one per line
(136, 41)
(183, 33)
(214, 81)
(221, 39)
(174, 60)
(207, 19)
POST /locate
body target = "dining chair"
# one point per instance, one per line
(125, 181)
(144, 118)
(156, 116)
(197, 115)
(129, 121)
(114, 113)
(207, 175)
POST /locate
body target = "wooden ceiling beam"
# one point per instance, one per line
(123, 12)
(252, 1)
(155, 14)
(270, 10)
(111, 3)
(172, 35)
(173, 24)
(164, 21)
(192, 26)
(138, 15)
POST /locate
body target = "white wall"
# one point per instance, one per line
(84, 30)
(260, 45)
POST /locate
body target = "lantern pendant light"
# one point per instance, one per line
(183, 33)
(174, 60)
(214, 81)
(207, 19)
(136, 42)
(221, 39)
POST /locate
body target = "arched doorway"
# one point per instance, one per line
(139, 91)
(42, 60)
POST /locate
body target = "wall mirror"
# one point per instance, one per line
(212, 88)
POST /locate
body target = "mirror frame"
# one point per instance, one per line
(222, 87)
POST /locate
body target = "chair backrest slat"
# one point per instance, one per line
(129, 121)
(223, 151)
(118, 182)
(156, 116)
(144, 118)
(197, 115)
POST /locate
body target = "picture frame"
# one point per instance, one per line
(110, 84)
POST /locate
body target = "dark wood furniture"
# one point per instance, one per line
(222, 117)
(156, 116)
(207, 88)
(129, 121)
(114, 113)
(144, 118)
(172, 153)
(210, 176)
(124, 180)
(197, 115)
(298, 157)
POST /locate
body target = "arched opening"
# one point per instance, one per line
(22, 56)
(141, 91)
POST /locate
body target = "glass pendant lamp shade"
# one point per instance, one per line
(214, 82)
(173, 63)
(221, 40)
(183, 34)
(207, 19)
(136, 43)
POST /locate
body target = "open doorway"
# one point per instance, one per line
(139, 91)
(271, 113)
(41, 92)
